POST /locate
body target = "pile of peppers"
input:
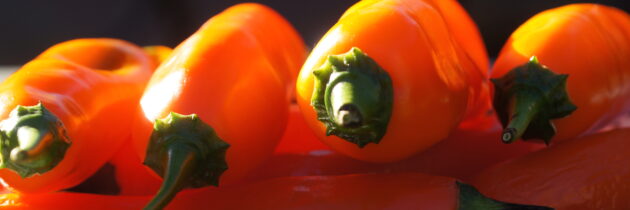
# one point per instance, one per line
(396, 107)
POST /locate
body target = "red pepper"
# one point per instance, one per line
(219, 103)
(369, 191)
(86, 90)
(585, 173)
(462, 155)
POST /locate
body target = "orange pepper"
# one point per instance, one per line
(219, 102)
(589, 44)
(359, 191)
(590, 172)
(411, 72)
(298, 138)
(296, 154)
(86, 90)
(132, 177)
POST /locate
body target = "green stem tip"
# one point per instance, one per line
(526, 100)
(353, 97)
(32, 140)
(471, 199)
(186, 152)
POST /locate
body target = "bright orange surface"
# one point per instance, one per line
(435, 79)
(91, 85)
(228, 75)
(590, 43)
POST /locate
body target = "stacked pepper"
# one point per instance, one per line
(207, 119)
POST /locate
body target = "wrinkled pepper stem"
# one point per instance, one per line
(181, 161)
(471, 199)
(524, 108)
(186, 152)
(32, 141)
(353, 97)
(526, 100)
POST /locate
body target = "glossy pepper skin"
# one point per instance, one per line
(131, 176)
(226, 84)
(590, 172)
(436, 63)
(159, 53)
(358, 191)
(462, 155)
(589, 44)
(91, 86)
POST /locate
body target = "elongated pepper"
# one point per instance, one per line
(217, 107)
(65, 113)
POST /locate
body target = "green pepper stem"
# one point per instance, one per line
(186, 152)
(180, 165)
(349, 116)
(523, 109)
(528, 98)
(471, 199)
(353, 97)
(32, 141)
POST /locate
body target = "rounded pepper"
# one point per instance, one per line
(576, 81)
(65, 113)
(359, 191)
(218, 105)
(590, 172)
(393, 78)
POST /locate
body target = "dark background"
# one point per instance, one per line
(30, 26)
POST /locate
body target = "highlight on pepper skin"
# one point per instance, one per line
(364, 86)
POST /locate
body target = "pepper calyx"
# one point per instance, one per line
(32, 140)
(527, 98)
(353, 97)
(187, 153)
